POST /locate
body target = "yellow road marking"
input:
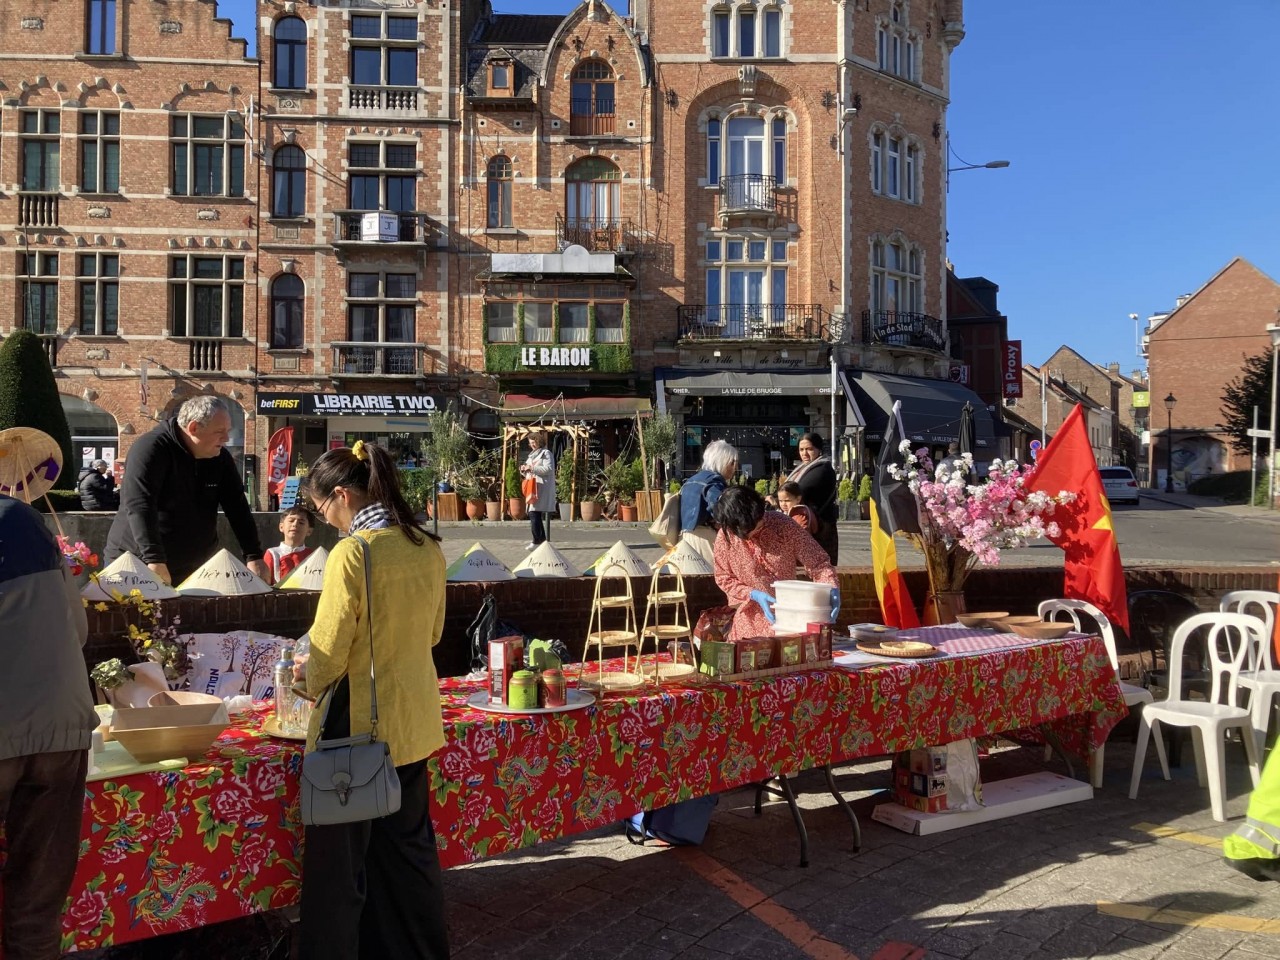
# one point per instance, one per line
(1189, 918)
(1169, 833)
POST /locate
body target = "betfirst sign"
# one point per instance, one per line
(344, 404)
(1011, 372)
(555, 356)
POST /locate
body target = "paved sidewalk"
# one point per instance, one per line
(1111, 877)
(1190, 501)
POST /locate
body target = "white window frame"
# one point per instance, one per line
(897, 45)
(751, 255)
(233, 146)
(896, 164)
(719, 144)
(897, 276)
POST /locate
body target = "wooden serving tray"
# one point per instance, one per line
(899, 649)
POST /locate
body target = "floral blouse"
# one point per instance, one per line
(771, 553)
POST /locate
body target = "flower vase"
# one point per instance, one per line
(945, 605)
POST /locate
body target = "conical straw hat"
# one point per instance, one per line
(546, 561)
(687, 559)
(478, 565)
(222, 575)
(620, 555)
(30, 462)
(309, 574)
(123, 575)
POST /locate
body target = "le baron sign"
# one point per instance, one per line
(555, 357)
(1011, 373)
(343, 404)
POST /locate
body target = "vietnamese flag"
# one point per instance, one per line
(1093, 570)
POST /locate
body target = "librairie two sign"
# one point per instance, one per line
(344, 404)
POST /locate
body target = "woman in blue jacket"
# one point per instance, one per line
(700, 493)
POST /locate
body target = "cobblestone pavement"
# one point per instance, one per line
(1110, 877)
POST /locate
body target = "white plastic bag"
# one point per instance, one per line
(964, 781)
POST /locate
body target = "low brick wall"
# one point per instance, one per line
(561, 608)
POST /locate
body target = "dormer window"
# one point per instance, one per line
(501, 78)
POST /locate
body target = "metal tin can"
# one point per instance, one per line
(522, 693)
(555, 689)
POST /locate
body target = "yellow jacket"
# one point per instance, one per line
(408, 618)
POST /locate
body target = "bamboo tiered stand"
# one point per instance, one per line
(606, 604)
(674, 600)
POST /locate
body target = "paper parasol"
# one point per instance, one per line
(30, 462)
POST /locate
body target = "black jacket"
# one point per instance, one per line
(97, 492)
(169, 505)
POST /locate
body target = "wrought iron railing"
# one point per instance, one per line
(779, 321)
(600, 235)
(204, 354)
(896, 328)
(37, 208)
(588, 119)
(412, 227)
(381, 99)
(748, 193)
(381, 359)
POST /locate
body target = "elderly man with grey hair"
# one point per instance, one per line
(175, 479)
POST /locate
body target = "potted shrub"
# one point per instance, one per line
(845, 494)
(623, 478)
(864, 497)
(564, 484)
(515, 499)
(659, 445)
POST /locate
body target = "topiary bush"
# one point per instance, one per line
(29, 397)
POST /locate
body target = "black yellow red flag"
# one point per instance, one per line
(893, 508)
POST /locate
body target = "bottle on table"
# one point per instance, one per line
(282, 681)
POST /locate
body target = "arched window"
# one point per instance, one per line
(499, 177)
(591, 103)
(592, 200)
(289, 70)
(286, 312)
(288, 182)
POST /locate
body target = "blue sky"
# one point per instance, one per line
(1143, 148)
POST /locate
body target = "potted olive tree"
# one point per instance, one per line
(864, 497)
(515, 499)
(845, 497)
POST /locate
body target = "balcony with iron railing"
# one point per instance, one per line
(748, 194)
(588, 119)
(382, 101)
(776, 321)
(598, 235)
(896, 328)
(379, 359)
(38, 208)
(349, 230)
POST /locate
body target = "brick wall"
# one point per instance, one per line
(561, 608)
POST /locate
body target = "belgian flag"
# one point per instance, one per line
(893, 508)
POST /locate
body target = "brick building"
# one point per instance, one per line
(979, 332)
(1047, 400)
(1123, 396)
(1193, 352)
(402, 205)
(128, 209)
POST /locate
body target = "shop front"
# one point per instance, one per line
(761, 412)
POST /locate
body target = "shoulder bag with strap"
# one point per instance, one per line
(665, 528)
(351, 779)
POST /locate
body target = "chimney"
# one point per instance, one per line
(1113, 369)
(1182, 299)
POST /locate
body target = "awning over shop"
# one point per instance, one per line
(931, 409)
(744, 383)
(518, 406)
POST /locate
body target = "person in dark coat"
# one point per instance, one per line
(175, 479)
(817, 480)
(46, 721)
(98, 487)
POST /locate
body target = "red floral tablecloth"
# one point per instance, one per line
(168, 851)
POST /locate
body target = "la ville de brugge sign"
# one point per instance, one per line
(343, 404)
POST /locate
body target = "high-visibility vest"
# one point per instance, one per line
(1258, 838)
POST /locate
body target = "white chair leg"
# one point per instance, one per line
(1095, 766)
(1140, 755)
(1216, 762)
(1164, 757)
(1198, 742)
(1253, 754)
(1260, 715)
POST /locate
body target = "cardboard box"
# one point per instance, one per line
(930, 760)
(925, 785)
(790, 650)
(506, 656)
(824, 642)
(766, 653)
(923, 804)
(717, 658)
(753, 653)
(810, 648)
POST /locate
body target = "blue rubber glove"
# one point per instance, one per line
(766, 603)
(835, 604)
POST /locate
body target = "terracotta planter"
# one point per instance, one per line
(515, 508)
(475, 509)
(493, 510)
(590, 510)
(627, 512)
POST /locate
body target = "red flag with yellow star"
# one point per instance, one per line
(1093, 570)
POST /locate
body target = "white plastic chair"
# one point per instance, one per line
(1259, 676)
(1077, 611)
(1229, 638)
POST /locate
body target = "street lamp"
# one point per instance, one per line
(1274, 330)
(989, 165)
(1169, 402)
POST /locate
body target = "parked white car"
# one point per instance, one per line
(1119, 484)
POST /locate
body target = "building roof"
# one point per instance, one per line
(525, 29)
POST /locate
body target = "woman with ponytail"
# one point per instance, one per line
(373, 888)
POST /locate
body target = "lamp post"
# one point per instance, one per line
(1169, 402)
(1274, 330)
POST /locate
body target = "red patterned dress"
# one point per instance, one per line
(771, 553)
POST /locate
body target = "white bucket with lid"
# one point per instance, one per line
(797, 619)
(802, 593)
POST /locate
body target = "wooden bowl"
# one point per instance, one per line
(180, 698)
(981, 618)
(150, 734)
(1042, 630)
(1008, 623)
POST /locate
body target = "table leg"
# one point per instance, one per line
(786, 793)
(844, 805)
